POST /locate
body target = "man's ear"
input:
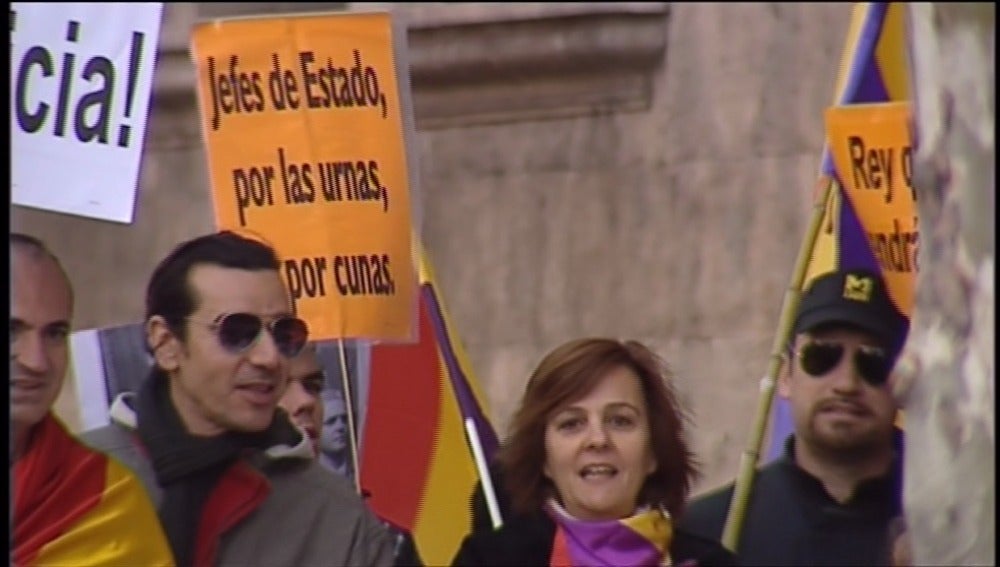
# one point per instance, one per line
(163, 343)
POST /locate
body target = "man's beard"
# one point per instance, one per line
(847, 445)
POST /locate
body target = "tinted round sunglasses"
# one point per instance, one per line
(239, 331)
(819, 358)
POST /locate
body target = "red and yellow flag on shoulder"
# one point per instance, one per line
(76, 506)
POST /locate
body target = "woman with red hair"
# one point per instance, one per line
(596, 466)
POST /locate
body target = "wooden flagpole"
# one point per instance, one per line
(751, 455)
(349, 403)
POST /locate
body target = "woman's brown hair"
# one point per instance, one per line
(569, 373)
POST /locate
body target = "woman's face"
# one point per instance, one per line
(597, 449)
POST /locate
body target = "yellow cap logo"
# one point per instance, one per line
(858, 288)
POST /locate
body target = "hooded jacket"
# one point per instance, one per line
(274, 507)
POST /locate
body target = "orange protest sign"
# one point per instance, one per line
(306, 122)
(872, 152)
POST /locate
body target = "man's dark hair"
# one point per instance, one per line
(169, 292)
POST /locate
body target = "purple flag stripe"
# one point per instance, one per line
(864, 83)
(781, 427)
(853, 250)
(467, 403)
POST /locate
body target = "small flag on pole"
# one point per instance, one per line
(416, 462)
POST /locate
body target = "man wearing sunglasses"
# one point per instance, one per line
(830, 498)
(235, 482)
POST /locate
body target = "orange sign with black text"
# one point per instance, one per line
(307, 122)
(872, 151)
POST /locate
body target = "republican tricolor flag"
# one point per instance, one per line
(416, 463)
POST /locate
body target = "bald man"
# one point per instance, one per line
(41, 308)
(72, 505)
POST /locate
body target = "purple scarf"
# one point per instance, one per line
(642, 540)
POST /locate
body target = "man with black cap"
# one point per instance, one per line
(830, 498)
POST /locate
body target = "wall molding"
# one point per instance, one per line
(514, 62)
(532, 62)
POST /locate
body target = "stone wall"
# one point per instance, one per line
(633, 170)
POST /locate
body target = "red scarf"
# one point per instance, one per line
(56, 482)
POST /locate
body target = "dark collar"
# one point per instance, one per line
(878, 493)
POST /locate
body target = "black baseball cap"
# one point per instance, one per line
(853, 297)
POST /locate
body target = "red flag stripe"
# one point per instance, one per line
(404, 410)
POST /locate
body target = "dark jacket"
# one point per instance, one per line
(792, 520)
(404, 548)
(528, 542)
(481, 520)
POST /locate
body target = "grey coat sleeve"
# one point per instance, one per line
(376, 547)
(348, 533)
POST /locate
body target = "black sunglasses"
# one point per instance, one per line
(239, 331)
(872, 363)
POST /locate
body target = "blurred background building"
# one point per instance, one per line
(638, 170)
